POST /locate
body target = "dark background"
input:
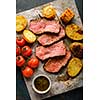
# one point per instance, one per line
(21, 90)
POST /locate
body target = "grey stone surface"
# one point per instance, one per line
(61, 86)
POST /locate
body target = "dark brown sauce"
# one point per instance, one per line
(41, 83)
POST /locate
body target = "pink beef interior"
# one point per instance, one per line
(52, 26)
(47, 39)
(55, 64)
(57, 49)
(37, 26)
(42, 25)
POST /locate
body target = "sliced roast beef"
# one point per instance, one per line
(55, 64)
(47, 39)
(42, 25)
(57, 49)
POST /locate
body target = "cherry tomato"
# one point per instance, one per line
(20, 61)
(20, 41)
(18, 50)
(33, 62)
(27, 72)
(26, 51)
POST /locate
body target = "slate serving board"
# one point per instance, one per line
(59, 82)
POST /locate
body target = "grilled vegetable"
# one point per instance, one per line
(27, 72)
(26, 51)
(18, 50)
(20, 41)
(77, 49)
(74, 67)
(74, 32)
(21, 23)
(33, 62)
(20, 61)
(29, 36)
(67, 15)
(48, 12)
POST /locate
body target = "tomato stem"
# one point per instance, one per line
(24, 49)
(19, 38)
(18, 58)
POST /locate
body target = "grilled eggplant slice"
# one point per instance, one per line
(74, 32)
(74, 67)
(77, 49)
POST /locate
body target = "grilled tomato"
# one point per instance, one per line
(27, 72)
(18, 50)
(20, 41)
(33, 62)
(20, 61)
(26, 51)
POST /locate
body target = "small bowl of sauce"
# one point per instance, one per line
(41, 84)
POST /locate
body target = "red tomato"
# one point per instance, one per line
(27, 72)
(18, 50)
(20, 41)
(33, 62)
(20, 61)
(26, 51)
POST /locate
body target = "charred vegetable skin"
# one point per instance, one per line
(74, 32)
(67, 15)
(77, 49)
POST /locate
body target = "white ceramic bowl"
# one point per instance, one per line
(34, 88)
